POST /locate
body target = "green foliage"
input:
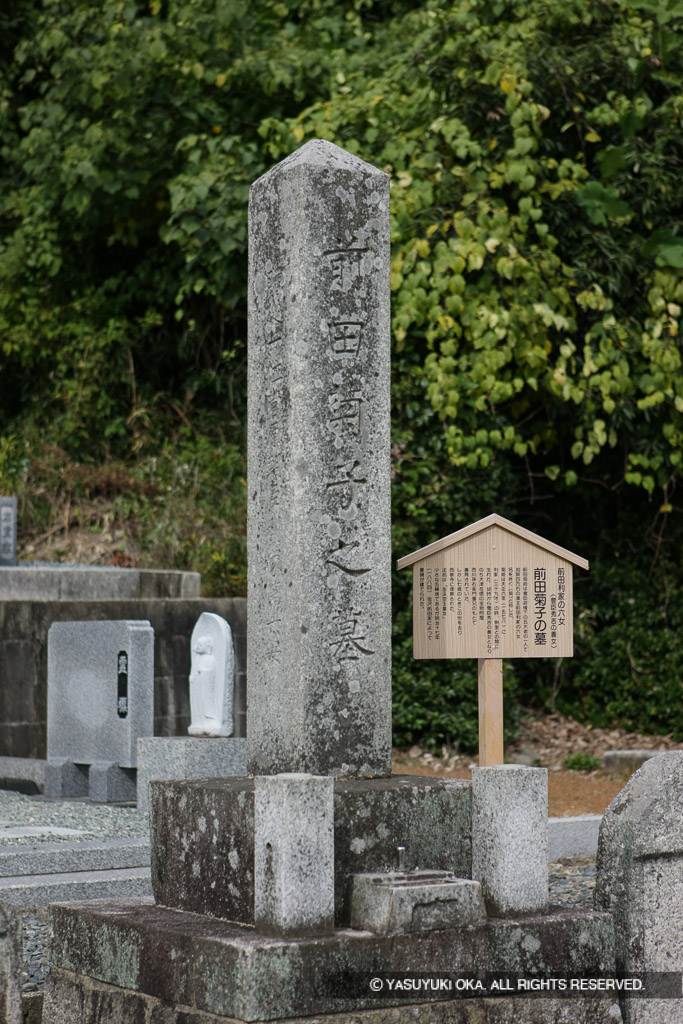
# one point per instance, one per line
(582, 762)
(629, 658)
(535, 166)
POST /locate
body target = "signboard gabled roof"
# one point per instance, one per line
(484, 524)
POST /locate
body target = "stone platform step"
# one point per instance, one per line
(95, 855)
(39, 890)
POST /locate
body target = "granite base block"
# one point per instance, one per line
(211, 870)
(64, 778)
(76, 999)
(109, 783)
(419, 902)
(294, 855)
(105, 782)
(188, 757)
(215, 967)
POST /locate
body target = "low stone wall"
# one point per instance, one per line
(24, 627)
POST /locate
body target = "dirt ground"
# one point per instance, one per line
(546, 740)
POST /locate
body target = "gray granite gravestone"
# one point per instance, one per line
(640, 881)
(100, 699)
(319, 656)
(8, 531)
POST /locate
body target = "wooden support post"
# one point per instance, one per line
(490, 711)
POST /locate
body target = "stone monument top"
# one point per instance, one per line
(318, 523)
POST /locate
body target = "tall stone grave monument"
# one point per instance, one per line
(254, 878)
(319, 558)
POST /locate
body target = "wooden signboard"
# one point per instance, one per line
(490, 591)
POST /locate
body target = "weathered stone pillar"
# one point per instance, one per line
(510, 838)
(294, 855)
(319, 647)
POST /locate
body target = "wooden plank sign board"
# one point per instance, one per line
(492, 590)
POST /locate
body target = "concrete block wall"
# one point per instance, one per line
(24, 627)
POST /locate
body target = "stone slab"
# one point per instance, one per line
(421, 901)
(94, 582)
(576, 836)
(93, 855)
(187, 757)
(8, 532)
(27, 831)
(319, 530)
(210, 871)
(100, 690)
(510, 837)
(77, 999)
(41, 890)
(221, 968)
(294, 855)
(627, 760)
(24, 774)
(24, 627)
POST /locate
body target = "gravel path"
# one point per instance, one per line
(94, 821)
(80, 821)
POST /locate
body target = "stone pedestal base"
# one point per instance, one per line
(105, 782)
(120, 962)
(430, 818)
(188, 757)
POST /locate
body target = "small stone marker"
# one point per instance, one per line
(319, 655)
(8, 531)
(640, 881)
(510, 838)
(490, 591)
(421, 901)
(100, 699)
(294, 855)
(212, 677)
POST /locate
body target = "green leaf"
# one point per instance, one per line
(601, 202)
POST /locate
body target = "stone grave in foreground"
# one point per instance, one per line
(279, 896)
(640, 882)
